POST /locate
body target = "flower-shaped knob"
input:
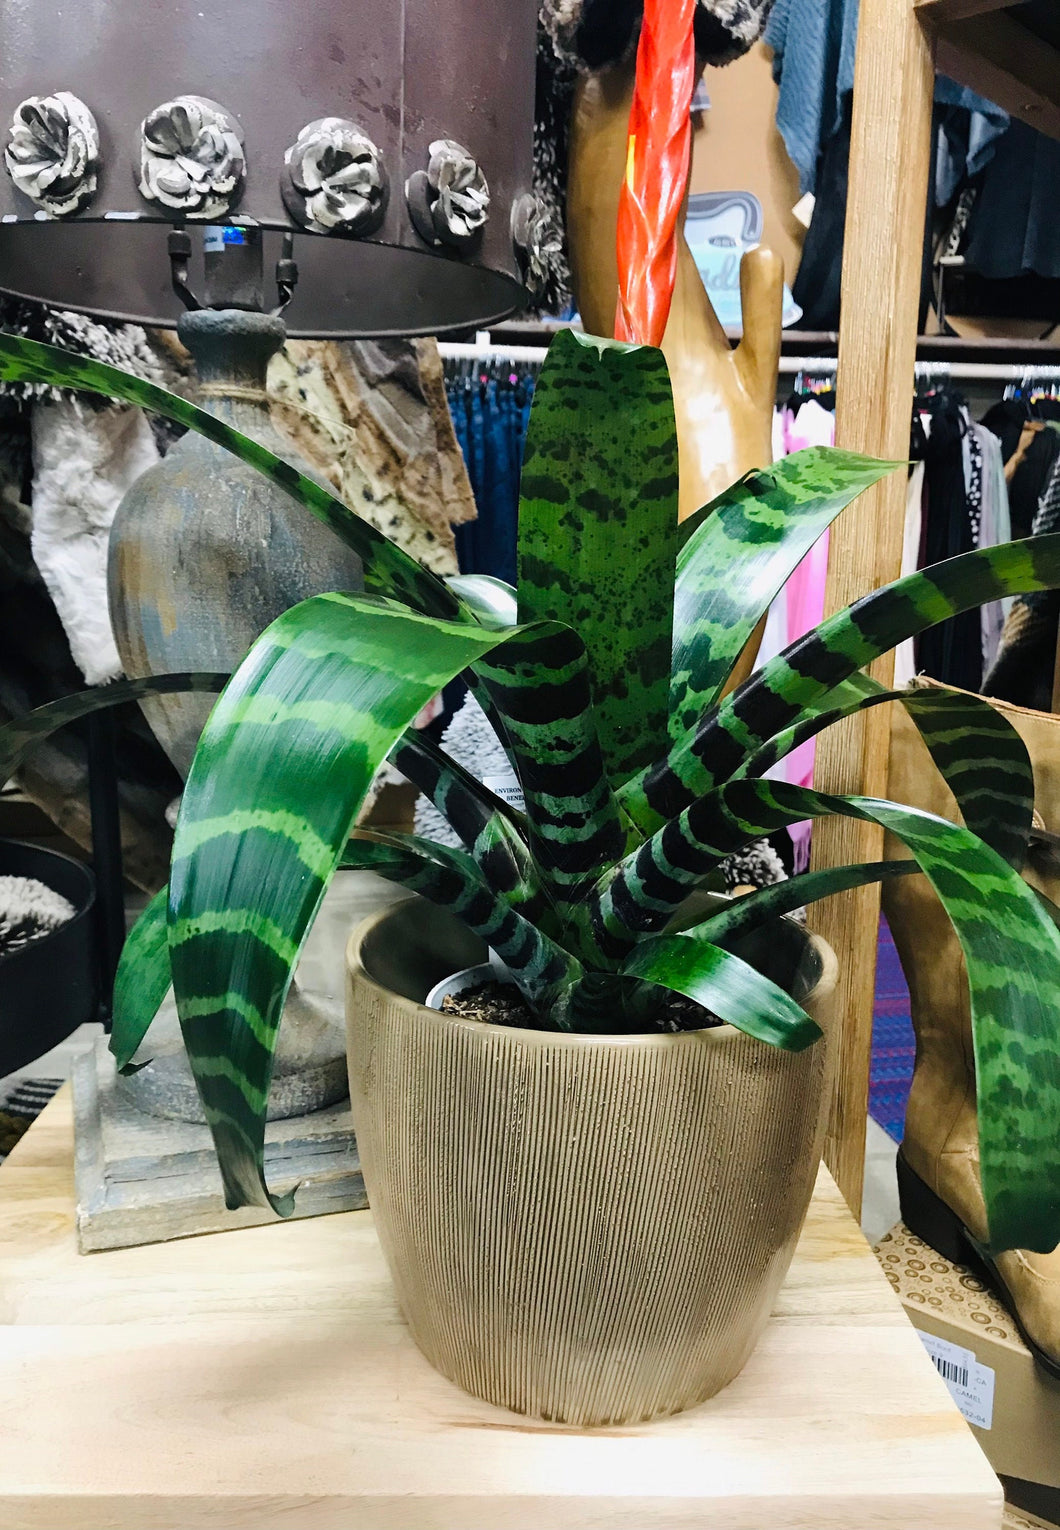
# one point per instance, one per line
(449, 202)
(191, 157)
(538, 242)
(52, 153)
(334, 180)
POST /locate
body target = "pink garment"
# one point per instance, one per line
(804, 602)
(812, 426)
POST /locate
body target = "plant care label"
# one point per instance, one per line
(507, 788)
(971, 1384)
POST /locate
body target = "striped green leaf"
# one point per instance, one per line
(281, 771)
(20, 735)
(542, 970)
(744, 914)
(465, 802)
(598, 529)
(490, 828)
(1011, 949)
(736, 554)
(726, 984)
(387, 570)
(776, 697)
(978, 752)
(538, 685)
(141, 982)
(494, 602)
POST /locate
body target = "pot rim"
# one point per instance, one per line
(714, 1035)
(86, 899)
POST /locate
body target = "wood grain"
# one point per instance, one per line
(890, 147)
(265, 1377)
(956, 10)
(1004, 61)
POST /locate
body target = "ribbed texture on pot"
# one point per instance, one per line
(586, 1229)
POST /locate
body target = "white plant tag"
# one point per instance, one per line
(507, 788)
(970, 1384)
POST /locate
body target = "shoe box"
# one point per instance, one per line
(1012, 1405)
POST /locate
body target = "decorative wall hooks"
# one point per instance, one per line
(538, 241)
(52, 153)
(449, 202)
(191, 157)
(334, 180)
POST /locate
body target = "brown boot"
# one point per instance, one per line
(938, 1162)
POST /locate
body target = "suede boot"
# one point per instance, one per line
(938, 1162)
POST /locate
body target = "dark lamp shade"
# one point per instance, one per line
(393, 138)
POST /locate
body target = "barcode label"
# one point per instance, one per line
(950, 1372)
(970, 1384)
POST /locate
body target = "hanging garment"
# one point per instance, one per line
(490, 417)
(84, 460)
(1007, 419)
(995, 527)
(1024, 669)
(804, 421)
(1032, 468)
(951, 651)
(1013, 228)
(813, 43)
(905, 653)
(371, 417)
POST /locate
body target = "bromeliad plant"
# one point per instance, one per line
(604, 676)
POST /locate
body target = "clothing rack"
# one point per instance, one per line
(483, 348)
(927, 371)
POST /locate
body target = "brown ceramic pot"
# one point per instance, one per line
(583, 1228)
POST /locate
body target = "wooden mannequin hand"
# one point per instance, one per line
(723, 397)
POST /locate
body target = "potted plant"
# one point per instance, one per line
(673, 1155)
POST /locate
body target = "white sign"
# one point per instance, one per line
(507, 788)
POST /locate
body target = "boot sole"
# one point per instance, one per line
(929, 1218)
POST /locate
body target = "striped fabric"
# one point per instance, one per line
(20, 1105)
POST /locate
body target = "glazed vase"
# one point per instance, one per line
(205, 552)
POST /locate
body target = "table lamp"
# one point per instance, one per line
(246, 170)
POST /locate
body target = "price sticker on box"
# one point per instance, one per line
(970, 1384)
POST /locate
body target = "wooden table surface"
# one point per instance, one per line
(265, 1378)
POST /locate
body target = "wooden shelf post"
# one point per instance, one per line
(889, 160)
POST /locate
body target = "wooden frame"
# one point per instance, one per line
(980, 44)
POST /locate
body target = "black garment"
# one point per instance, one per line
(1013, 227)
(1006, 419)
(1023, 670)
(817, 282)
(1030, 479)
(817, 285)
(952, 651)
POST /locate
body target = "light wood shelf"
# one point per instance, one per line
(265, 1378)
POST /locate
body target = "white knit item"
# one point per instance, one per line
(29, 909)
(83, 462)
